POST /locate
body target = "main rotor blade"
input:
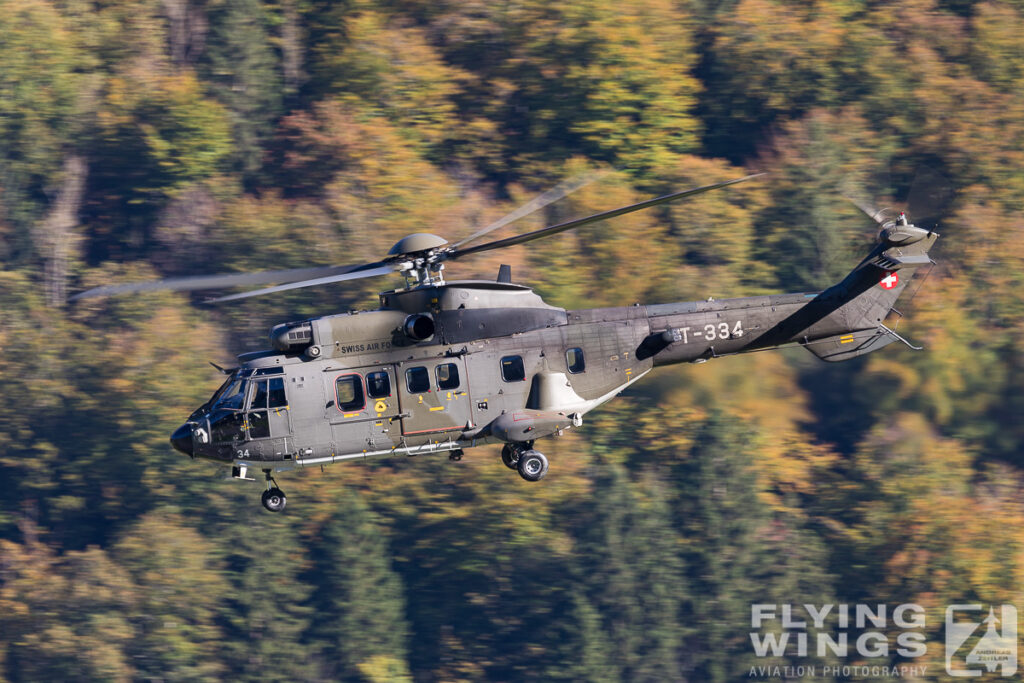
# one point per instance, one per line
(563, 189)
(368, 270)
(218, 281)
(562, 227)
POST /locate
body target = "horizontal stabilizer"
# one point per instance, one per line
(850, 345)
(891, 262)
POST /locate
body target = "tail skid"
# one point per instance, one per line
(842, 347)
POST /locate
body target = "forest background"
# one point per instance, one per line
(158, 138)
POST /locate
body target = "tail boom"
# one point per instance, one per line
(842, 322)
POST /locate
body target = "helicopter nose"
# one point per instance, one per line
(181, 439)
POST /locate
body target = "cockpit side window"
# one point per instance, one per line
(277, 397)
(259, 395)
(227, 425)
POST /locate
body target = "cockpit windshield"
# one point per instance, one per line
(229, 396)
(233, 395)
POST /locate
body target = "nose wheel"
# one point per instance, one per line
(273, 498)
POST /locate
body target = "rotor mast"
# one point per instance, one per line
(422, 271)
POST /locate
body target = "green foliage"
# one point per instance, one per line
(41, 86)
(633, 578)
(736, 553)
(241, 134)
(264, 614)
(359, 626)
(244, 72)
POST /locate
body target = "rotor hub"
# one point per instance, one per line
(417, 243)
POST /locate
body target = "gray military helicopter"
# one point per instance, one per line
(444, 366)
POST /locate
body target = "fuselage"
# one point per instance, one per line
(498, 365)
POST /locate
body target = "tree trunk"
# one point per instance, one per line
(55, 236)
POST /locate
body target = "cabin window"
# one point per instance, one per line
(350, 393)
(378, 385)
(574, 360)
(447, 376)
(417, 379)
(512, 369)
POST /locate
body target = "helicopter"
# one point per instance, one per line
(443, 366)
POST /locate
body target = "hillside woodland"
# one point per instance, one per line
(158, 138)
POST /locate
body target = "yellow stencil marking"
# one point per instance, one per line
(437, 408)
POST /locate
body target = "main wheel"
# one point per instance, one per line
(532, 465)
(509, 456)
(274, 500)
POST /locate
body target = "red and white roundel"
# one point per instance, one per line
(890, 280)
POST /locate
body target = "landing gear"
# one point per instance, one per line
(532, 465)
(273, 498)
(455, 456)
(510, 456)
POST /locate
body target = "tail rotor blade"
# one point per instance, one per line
(929, 195)
(875, 214)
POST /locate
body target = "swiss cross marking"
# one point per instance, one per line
(890, 280)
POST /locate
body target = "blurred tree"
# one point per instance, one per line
(179, 587)
(603, 264)
(359, 630)
(998, 57)
(809, 229)
(735, 552)
(244, 72)
(548, 81)
(264, 612)
(913, 522)
(766, 70)
(155, 139)
(63, 617)
(394, 73)
(87, 449)
(42, 87)
(629, 570)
